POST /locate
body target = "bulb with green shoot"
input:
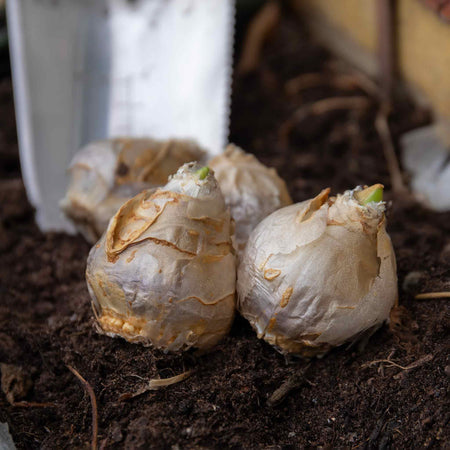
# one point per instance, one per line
(163, 273)
(320, 273)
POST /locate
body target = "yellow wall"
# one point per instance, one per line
(345, 14)
(424, 52)
(423, 41)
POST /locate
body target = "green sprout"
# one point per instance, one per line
(203, 172)
(371, 194)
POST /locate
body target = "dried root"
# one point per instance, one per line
(90, 391)
(388, 360)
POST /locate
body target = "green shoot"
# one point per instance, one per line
(203, 172)
(371, 194)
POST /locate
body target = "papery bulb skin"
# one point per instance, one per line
(318, 274)
(164, 272)
(105, 174)
(251, 190)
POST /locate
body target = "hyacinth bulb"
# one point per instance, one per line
(105, 174)
(319, 273)
(251, 190)
(164, 272)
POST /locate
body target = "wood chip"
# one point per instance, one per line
(294, 381)
(155, 384)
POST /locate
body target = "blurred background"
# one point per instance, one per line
(78, 78)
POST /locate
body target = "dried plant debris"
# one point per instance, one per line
(93, 399)
(294, 381)
(155, 384)
(15, 382)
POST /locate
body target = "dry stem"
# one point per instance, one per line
(338, 81)
(364, 82)
(331, 104)
(427, 295)
(91, 393)
(260, 28)
(382, 127)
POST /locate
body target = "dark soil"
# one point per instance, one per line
(46, 322)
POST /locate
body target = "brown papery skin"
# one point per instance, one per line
(335, 274)
(164, 272)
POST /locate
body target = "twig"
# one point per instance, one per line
(338, 81)
(364, 82)
(317, 108)
(308, 81)
(382, 127)
(386, 45)
(413, 365)
(91, 393)
(427, 295)
(346, 81)
(259, 29)
(331, 104)
(155, 384)
(293, 382)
